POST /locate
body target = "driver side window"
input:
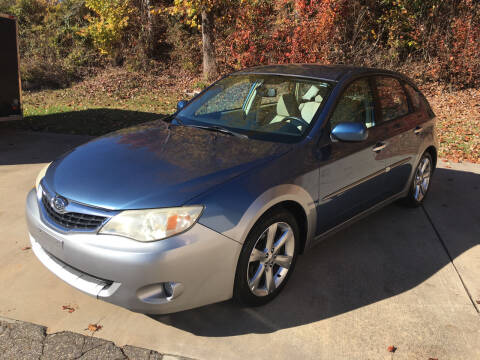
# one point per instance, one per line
(355, 105)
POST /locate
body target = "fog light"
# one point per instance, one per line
(160, 293)
(173, 289)
(154, 294)
(168, 287)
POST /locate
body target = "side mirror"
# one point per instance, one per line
(350, 131)
(181, 104)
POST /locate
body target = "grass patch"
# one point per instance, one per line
(107, 102)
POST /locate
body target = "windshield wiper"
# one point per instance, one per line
(219, 129)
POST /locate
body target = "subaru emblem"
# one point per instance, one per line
(59, 204)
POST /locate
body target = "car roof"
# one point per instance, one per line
(316, 71)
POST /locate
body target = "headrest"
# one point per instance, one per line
(287, 105)
(319, 98)
(311, 93)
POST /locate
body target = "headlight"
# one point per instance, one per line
(153, 224)
(41, 175)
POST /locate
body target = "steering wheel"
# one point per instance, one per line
(297, 121)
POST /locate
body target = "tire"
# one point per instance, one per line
(258, 268)
(420, 184)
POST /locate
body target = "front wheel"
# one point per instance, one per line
(421, 181)
(267, 258)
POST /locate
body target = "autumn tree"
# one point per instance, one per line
(107, 26)
(202, 14)
(147, 22)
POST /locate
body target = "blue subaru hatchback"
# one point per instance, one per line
(217, 200)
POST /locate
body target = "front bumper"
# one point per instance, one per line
(129, 273)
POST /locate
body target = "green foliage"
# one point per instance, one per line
(184, 46)
(190, 10)
(108, 25)
(6, 5)
(51, 51)
(399, 24)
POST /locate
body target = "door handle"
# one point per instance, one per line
(417, 130)
(379, 146)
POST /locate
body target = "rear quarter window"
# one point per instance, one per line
(418, 100)
(415, 97)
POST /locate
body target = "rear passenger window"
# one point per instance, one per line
(392, 98)
(355, 105)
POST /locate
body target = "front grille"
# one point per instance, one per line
(72, 220)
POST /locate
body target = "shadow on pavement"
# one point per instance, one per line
(93, 122)
(20, 145)
(383, 255)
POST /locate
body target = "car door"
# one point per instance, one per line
(352, 173)
(403, 125)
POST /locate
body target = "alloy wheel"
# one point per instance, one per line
(270, 259)
(422, 179)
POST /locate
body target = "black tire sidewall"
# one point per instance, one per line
(242, 292)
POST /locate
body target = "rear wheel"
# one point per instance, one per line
(421, 181)
(267, 258)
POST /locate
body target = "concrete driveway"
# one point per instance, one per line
(402, 277)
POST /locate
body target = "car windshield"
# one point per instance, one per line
(268, 107)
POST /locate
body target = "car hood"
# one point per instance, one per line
(154, 165)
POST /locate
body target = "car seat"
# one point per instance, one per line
(287, 106)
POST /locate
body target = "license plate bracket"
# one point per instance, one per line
(48, 241)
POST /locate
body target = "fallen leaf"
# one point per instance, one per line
(69, 308)
(392, 349)
(26, 248)
(94, 327)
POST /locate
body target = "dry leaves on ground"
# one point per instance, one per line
(119, 84)
(69, 308)
(94, 327)
(458, 122)
(392, 349)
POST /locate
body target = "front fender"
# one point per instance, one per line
(267, 200)
(237, 224)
